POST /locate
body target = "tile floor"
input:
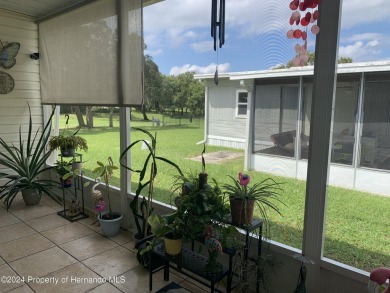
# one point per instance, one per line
(38, 245)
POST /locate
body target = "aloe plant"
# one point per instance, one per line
(26, 162)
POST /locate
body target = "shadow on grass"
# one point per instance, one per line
(166, 128)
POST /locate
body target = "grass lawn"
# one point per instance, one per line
(356, 232)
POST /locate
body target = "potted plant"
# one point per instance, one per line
(67, 170)
(68, 144)
(142, 208)
(243, 198)
(204, 203)
(26, 162)
(77, 164)
(63, 169)
(171, 229)
(110, 221)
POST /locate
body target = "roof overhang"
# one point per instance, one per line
(377, 66)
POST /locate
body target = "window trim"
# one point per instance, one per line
(241, 116)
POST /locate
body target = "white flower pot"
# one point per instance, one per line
(110, 227)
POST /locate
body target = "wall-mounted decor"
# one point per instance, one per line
(6, 83)
(8, 54)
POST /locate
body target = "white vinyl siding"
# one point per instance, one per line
(222, 113)
(14, 105)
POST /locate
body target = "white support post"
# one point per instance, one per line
(298, 137)
(206, 112)
(125, 182)
(324, 85)
(249, 86)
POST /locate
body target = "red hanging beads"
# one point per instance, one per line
(299, 21)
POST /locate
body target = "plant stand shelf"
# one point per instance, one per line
(190, 264)
(76, 212)
(256, 224)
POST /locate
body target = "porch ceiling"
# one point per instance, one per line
(37, 8)
(41, 8)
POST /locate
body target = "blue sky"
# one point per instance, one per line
(177, 34)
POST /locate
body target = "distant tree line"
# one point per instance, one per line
(166, 93)
(162, 93)
(170, 93)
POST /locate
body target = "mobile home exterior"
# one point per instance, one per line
(267, 114)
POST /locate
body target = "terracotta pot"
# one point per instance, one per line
(242, 211)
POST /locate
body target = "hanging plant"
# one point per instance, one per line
(304, 14)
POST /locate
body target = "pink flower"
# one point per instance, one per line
(100, 206)
(244, 179)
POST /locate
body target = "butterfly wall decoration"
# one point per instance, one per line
(8, 54)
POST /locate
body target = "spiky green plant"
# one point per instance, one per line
(264, 193)
(26, 163)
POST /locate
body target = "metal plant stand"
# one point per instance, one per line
(75, 211)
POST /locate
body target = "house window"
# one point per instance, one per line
(242, 103)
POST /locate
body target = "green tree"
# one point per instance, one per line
(345, 60)
(153, 84)
(195, 100)
(183, 90)
(168, 90)
(311, 61)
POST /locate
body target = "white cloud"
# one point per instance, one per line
(183, 14)
(247, 17)
(364, 37)
(373, 43)
(365, 46)
(356, 12)
(360, 51)
(176, 70)
(251, 17)
(200, 47)
(190, 34)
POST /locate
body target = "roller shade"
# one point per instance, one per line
(93, 55)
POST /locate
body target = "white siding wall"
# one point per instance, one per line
(222, 113)
(14, 106)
